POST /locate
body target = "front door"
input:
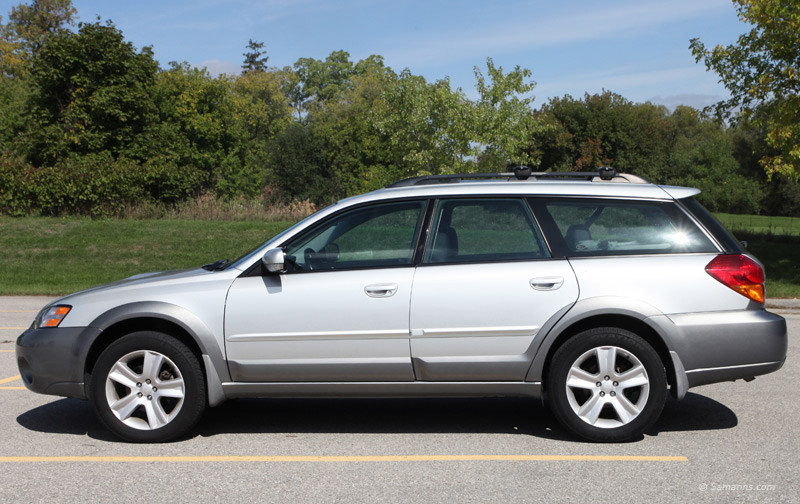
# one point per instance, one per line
(341, 310)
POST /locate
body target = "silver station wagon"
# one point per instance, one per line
(595, 292)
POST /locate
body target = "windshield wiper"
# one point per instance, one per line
(216, 266)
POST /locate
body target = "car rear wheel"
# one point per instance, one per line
(607, 384)
(148, 387)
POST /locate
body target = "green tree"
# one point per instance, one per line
(91, 94)
(762, 73)
(504, 122)
(429, 125)
(702, 156)
(320, 81)
(260, 111)
(604, 130)
(194, 127)
(255, 60)
(28, 27)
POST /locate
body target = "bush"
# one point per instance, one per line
(95, 185)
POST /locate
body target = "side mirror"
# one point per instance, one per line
(274, 260)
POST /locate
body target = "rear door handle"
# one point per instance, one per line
(381, 290)
(547, 283)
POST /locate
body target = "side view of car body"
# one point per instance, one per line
(597, 292)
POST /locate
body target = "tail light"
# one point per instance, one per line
(740, 273)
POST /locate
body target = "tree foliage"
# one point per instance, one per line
(255, 60)
(91, 125)
(28, 27)
(762, 72)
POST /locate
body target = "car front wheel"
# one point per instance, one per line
(148, 387)
(607, 385)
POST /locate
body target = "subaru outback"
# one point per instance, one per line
(598, 293)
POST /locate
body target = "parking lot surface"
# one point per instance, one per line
(729, 442)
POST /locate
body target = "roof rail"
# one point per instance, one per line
(604, 173)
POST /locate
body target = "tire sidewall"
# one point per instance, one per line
(572, 349)
(194, 386)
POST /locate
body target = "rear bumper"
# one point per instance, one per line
(51, 360)
(725, 346)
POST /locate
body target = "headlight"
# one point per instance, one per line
(52, 316)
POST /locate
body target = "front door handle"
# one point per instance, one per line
(547, 283)
(381, 290)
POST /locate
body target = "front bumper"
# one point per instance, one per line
(52, 360)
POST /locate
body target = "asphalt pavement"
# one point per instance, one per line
(728, 442)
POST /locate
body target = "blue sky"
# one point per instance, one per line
(638, 49)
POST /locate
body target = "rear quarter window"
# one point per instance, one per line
(590, 227)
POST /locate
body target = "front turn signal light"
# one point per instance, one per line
(53, 316)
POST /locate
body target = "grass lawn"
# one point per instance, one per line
(762, 224)
(52, 256)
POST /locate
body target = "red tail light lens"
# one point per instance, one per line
(740, 273)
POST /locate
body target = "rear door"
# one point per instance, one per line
(484, 289)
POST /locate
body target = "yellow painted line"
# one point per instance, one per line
(13, 378)
(357, 458)
(6, 351)
(13, 388)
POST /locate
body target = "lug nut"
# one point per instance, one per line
(602, 394)
(599, 384)
(607, 378)
(613, 394)
(155, 389)
(148, 380)
(138, 384)
(149, 398)
(139, 394)
(616, 384)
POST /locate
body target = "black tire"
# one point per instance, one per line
(623, 405)
(153, 405)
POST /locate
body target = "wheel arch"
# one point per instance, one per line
(170, 319)
(632, 315)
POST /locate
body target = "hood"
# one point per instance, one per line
(141, 279)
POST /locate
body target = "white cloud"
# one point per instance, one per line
(530, 32)
(698, 101)
(217, 67)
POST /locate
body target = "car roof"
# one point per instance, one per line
(570, 188)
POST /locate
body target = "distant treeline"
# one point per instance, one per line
(91, 125)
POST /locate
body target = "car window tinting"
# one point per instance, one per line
(379, 235)
(601, 227)
(483, 230)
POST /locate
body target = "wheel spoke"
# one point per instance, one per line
(152, 365)
(123, 375)
(125, 407)
(590, 410)
(171, 388)
(626, 410)
(634, 377)
(606, 359)
(156, 416)
(578, 378)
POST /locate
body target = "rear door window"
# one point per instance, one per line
(483, 230)
(611, 227)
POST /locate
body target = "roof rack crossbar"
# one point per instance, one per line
(523, 173)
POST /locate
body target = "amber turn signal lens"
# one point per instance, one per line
(54, 316)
